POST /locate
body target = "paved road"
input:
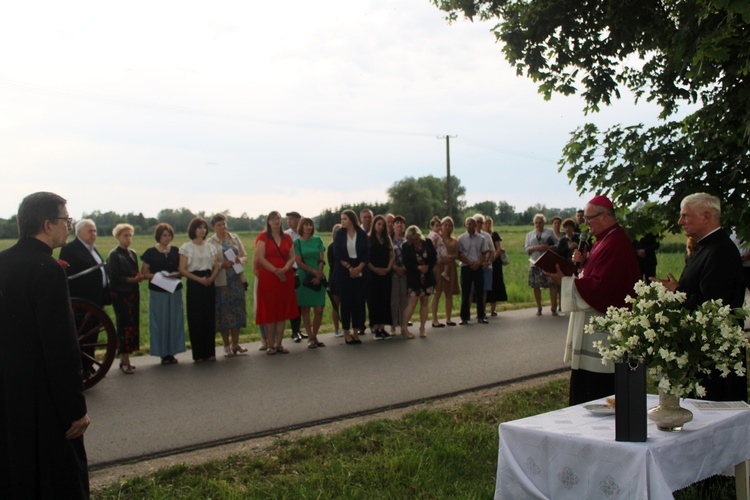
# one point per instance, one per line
(168, 409)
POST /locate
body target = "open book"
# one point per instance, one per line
(549, 260)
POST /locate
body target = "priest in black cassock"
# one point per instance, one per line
(42, 406)
(714, 272)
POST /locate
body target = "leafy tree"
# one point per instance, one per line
(691, 57)
(178, 219)
(486, 208)
(9, 228)
(419, 199)
(527, 216)
(506, 214)
(332, 216)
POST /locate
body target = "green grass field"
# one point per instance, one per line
(516, 274)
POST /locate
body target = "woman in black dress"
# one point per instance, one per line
(379, 286)
(333, 286)
(122, 268)
(498, 293)
(419, 260)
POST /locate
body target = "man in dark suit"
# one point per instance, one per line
(81, 254)
(42, 406)
(714, 272)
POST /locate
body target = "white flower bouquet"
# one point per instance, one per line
(678, 346)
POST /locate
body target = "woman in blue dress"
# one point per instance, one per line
(166, 324)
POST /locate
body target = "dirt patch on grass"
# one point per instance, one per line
(114, 474)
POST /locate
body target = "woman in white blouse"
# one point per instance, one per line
(199, 263)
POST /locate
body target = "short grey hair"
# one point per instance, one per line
(540, 216)
(81, 224)
(477, 217)
(703, 200)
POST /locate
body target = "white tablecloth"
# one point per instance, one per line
(572, 453)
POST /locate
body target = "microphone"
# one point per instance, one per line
(583, 243)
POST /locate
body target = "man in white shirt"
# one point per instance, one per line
(292, 221)
(472, 252)
(487, 262)
(365, 218)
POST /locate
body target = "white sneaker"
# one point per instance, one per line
(339, 333)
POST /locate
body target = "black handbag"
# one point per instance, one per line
(630, 400)
(308, 282)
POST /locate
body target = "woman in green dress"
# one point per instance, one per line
(309, 252)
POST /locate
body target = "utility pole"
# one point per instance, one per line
(447, 138)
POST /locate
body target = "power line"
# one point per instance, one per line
(135, 103)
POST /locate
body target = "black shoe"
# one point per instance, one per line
(377, 335)
(464, 322)
(296, 337)
(483, 321)
(385, 335)
(302, 335)
(409, 323)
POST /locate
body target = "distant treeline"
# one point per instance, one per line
(501, 213)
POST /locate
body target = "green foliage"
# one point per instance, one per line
(9, 228)
(419, 199)
(691, 57)
(332, 216)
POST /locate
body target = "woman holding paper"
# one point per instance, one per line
(538, 241)
(166, 324)
(231, 313)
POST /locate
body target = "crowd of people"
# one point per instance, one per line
(379, 262)
(380, 273)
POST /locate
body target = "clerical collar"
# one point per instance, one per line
(709, 234)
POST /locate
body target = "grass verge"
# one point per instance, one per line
(443, 452)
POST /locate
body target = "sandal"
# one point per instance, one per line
(270, 351)
(312, 345)
(439, 325)
(281, 350)
(127, 369)
(319, 344)
(450, 323)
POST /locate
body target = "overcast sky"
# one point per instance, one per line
(260, 106)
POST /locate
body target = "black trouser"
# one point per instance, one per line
(201, 317)
(294, 323)
(471, 277)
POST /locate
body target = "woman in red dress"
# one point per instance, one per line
(277, 301)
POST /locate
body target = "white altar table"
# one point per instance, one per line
(572, 454)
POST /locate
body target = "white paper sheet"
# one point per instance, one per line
(231, 257)
(166, 281)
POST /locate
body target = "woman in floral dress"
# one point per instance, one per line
(419, 260)
(231, 309)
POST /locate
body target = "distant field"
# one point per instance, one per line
(516, 274)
